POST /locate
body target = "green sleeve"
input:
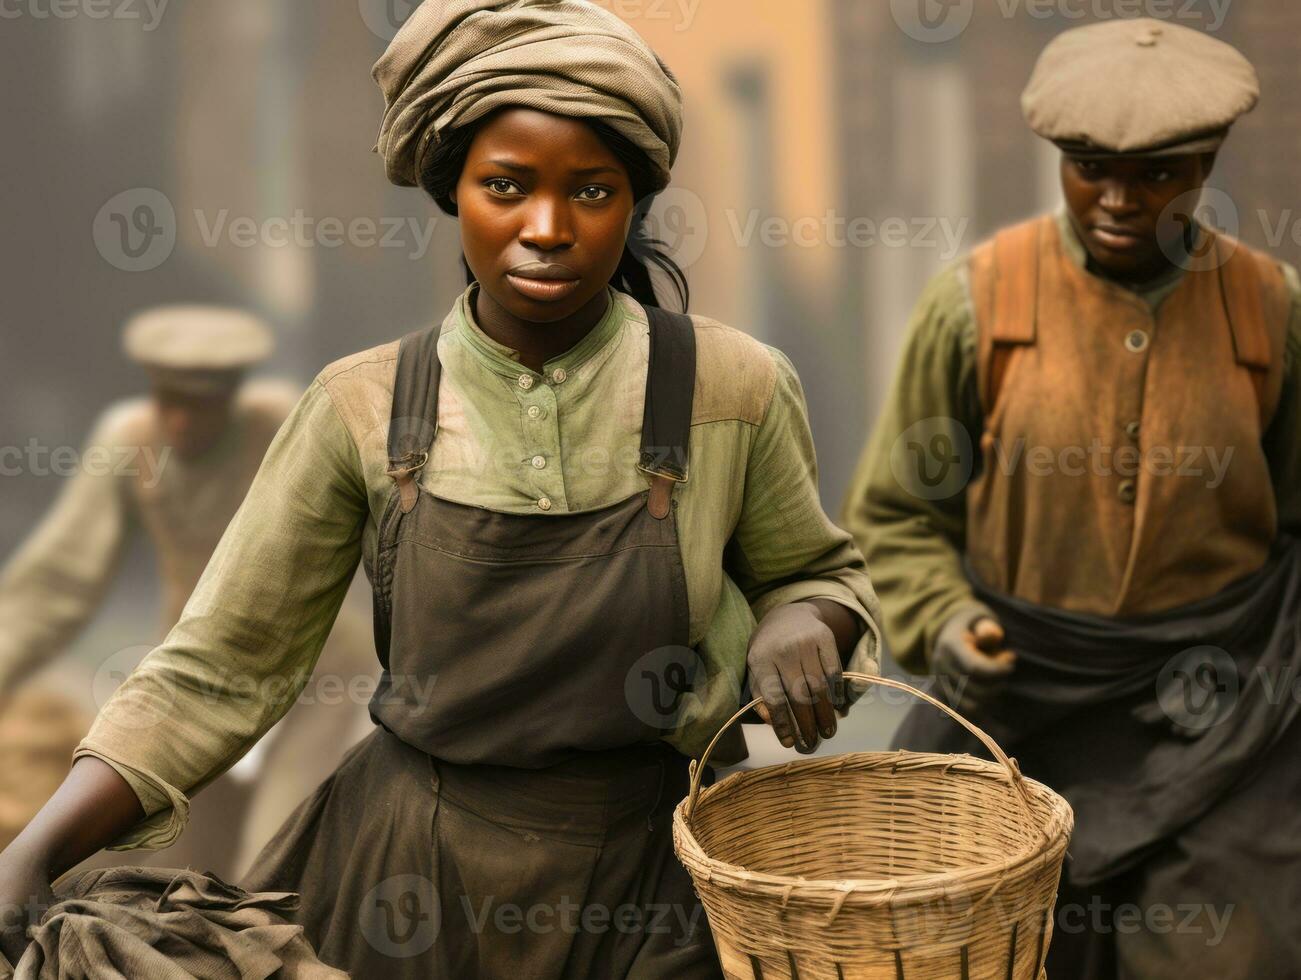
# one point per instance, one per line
(785, 548)
(907, 504)
(1283, 439)
(251, 633)
(57, 580)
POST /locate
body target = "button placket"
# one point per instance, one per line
(543, 444)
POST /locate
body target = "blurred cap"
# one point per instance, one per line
(197, 349)
(1138, 87)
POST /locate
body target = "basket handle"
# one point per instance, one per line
(1014, 773)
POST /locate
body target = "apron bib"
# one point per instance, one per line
(511, 815)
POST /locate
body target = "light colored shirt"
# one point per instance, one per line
(753, 534)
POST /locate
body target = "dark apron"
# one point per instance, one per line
(1173, 738)
(511, 815)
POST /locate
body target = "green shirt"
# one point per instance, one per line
(752, 530)
(914, 546)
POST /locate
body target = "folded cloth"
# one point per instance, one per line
(136, 923)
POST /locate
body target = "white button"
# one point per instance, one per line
(526, 381)
(559, 376)
(545, 503)
(1136, 342)
(539, 462)
(535, 412)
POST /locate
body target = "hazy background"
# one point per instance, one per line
(222, 115)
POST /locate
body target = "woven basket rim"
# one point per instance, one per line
(875, 891)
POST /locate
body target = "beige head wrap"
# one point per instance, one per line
(455, 61)
(1142, 87)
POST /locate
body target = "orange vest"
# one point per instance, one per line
(1121, 465)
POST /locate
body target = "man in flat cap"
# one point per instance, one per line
(1080, 508)
(176, 464)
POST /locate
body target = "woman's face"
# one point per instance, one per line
(545, 209)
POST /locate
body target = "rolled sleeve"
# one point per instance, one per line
(785, 548)
(251, 633)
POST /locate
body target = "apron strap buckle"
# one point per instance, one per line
(404, 473)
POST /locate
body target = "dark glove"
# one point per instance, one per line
(970, 660)
(794, 666)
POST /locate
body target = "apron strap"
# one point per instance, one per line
(414, 418)
(670, 396)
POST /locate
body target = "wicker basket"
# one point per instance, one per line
(877, 864)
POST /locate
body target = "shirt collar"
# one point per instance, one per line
(504, 361)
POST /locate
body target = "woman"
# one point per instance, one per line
(572, 507)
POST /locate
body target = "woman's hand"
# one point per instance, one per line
(795, 666)
(24, 896)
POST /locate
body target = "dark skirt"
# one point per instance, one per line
(412, 867)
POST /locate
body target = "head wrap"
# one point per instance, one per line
(455, 61)
(1138, 87)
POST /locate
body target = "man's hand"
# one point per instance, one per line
(972, 659)
(794, 664)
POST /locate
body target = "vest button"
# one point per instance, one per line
(1132, 430)
(539, 462)
(1127, 491)
(526, 381)
(535, 412)
(544, 503)
(559, 376)
(1137, 341)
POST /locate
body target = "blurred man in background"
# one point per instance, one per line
(177, 465)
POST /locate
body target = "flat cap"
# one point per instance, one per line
(1141, 87)
(197, 348)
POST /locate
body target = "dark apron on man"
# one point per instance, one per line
(511, 816)
(1173, 737)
